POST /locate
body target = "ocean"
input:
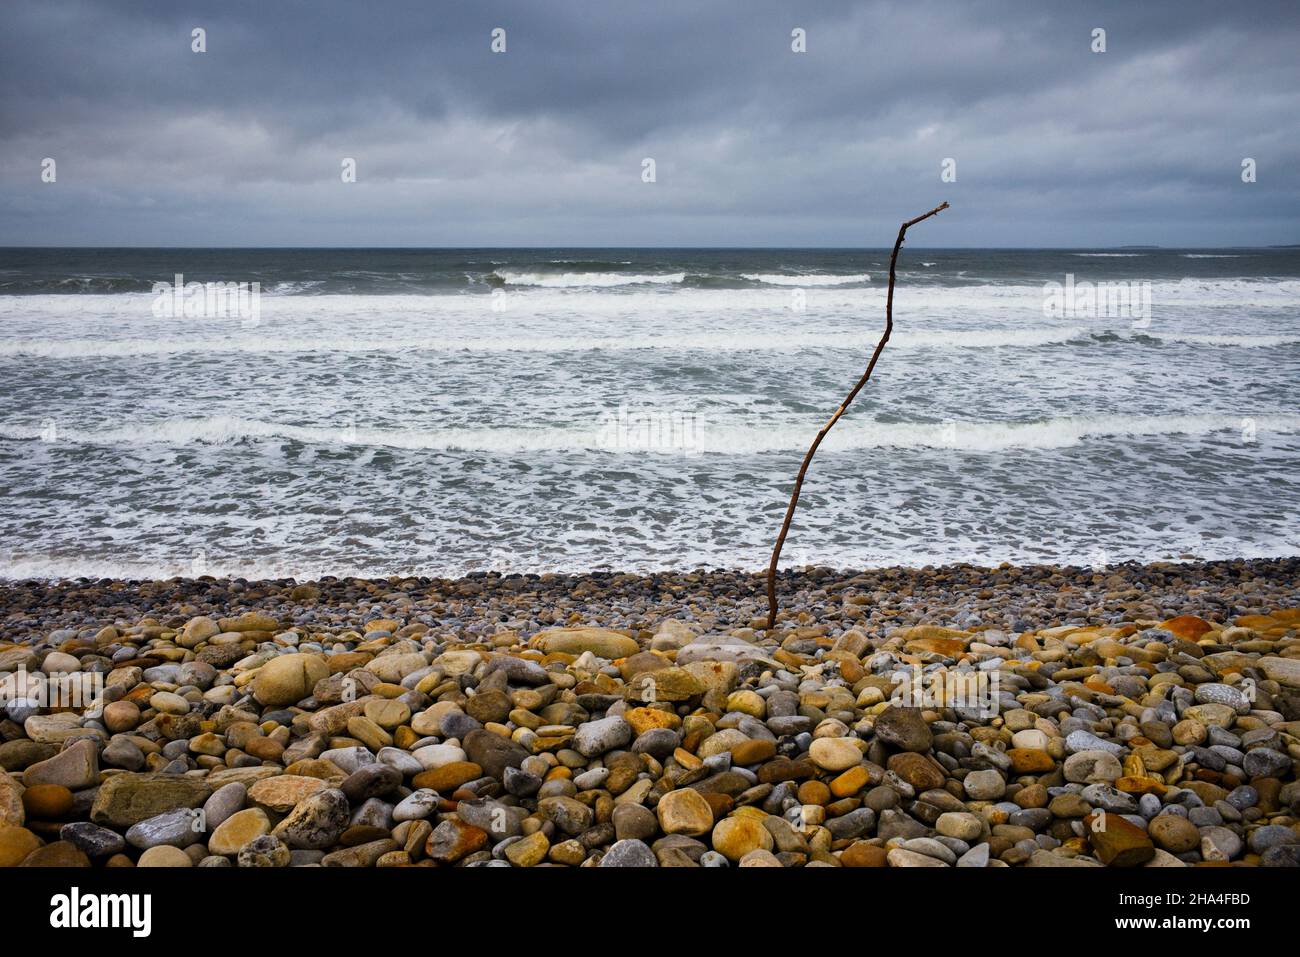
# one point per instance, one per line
(378, 412)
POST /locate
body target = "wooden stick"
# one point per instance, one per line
(812, 449)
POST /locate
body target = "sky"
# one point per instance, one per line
(545, 143)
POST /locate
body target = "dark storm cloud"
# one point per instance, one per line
(543, 144)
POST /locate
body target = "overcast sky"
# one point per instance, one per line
(543, 145)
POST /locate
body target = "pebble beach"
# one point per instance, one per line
(1127, 716)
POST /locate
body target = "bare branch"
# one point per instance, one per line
(812, 449)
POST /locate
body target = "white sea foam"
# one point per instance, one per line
(474, 556)
(1243, 341)
(719, 342)
(254, 342)
(142, 569)
(53, 311)
(730, 437)
(289, 287)
(813, 279)
(577, 280)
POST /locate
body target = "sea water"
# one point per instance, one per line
(445, 411)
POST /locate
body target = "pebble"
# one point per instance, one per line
(1030, 739)
(528, 851)
(16, 843)
(453, 839)
(236, 831)
(984, 785)
(1117, 842)
(57, 854)
(449, 777)
(123, 753)
(179, 828)
(1286, 855)
(1174, 833)
(417, 805)
(265, 851)
(282, 793)
(1266, 763)
(903, 728)
(121, 716)
(224, 802)
(960, 825)
(75, 767)
(287, 679)
(977, 856)
(634, 822)
(1220, 844)
(169, 703)
(835, 754)
(1088, 767)
(931, 847)
(629, 853)
(47, 801)
(127, 799)
(901, 857)
(1261, 839)
(93, 840)
(316, 822)
(594, 738)
(518, 732)
(498, 820)
(164, 855)
(734, 837)
(1077, 741)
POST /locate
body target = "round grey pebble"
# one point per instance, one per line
(629, 853)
